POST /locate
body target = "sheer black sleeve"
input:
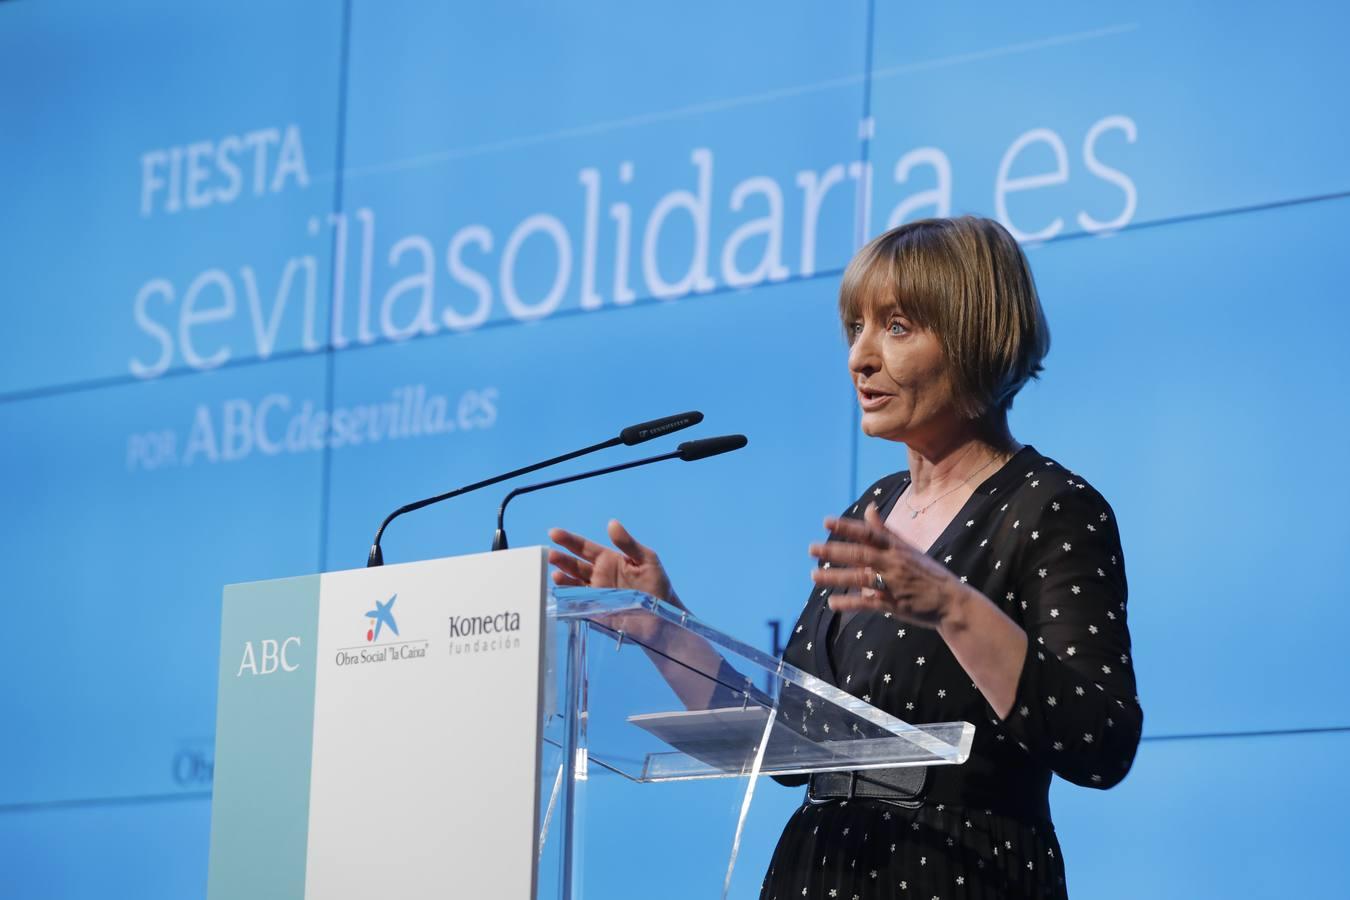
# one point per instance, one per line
(1076, 707)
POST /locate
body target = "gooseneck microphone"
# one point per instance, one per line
(633, 434)
(689, 451)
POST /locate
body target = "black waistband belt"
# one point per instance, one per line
(903, 785)
(914, 786)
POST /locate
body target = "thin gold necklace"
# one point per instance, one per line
(914, 513)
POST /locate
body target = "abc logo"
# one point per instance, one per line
(270, 656)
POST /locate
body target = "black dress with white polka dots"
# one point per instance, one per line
(1043, 544)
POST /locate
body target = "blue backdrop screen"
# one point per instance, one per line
(270, 271)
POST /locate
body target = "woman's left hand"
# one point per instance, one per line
(917, 588)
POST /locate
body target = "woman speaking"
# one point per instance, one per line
(983, 583)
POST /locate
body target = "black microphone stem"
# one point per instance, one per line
(377, 557)
(633, 434)
(500, 543)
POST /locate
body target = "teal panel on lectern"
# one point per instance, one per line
(264, 737)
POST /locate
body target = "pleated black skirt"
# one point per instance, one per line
(876, 850)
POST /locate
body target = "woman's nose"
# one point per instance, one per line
(862, 356)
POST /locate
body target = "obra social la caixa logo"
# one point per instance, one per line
(380, 622)
(381, 615)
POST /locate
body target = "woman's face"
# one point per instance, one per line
(900, 376)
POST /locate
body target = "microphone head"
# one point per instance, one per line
(636, 434)
(702, 449)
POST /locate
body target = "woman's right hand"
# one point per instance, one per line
(687, 662)
(630, 566)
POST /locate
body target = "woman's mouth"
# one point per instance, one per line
(871, 400)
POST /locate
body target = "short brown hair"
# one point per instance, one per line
(967, 281)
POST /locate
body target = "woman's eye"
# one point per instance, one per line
(897, 328)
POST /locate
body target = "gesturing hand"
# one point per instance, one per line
(913, 585)
(631, 566)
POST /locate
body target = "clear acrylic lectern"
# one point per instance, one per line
(644, 693)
